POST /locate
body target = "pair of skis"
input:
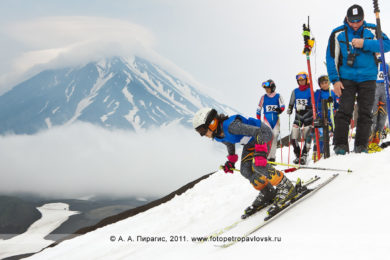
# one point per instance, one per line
(290, 204)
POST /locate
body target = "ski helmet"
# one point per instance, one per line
(269, 84)
(205, 119)
(322, 78)
(303, 75)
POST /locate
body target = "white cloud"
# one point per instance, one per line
(53, 42)
(49, 32)
(58, 42)
(82, 159)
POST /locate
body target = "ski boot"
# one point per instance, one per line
(285, 191)
(262, 200)
(374, 148)
(303, 159)
(341, 149)
(296, 160)
(360, 149)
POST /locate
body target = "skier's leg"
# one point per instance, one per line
(275, 132)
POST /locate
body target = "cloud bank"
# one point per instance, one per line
(82, 160)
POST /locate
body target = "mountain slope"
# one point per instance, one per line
(345, 219)
(130, 93)
(16, 215)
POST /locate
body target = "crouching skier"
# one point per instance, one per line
(254, 166)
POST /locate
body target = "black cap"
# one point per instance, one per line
(355, 13)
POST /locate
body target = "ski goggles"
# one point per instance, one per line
(301, 76)
(266, 84)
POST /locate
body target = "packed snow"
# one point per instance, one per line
(33, 240)
(347, 219)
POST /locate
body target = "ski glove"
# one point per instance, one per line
(278, 110)
(289, 110)
(229, 165)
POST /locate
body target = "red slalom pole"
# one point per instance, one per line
(307, 50)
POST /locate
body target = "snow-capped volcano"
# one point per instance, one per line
(126, 93)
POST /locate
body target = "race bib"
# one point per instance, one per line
(381, 75)
(271, 108)
(301, 104)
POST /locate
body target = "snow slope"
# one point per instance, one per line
(53, 215)
(347, 219)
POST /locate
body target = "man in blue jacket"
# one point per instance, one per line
(352, 68)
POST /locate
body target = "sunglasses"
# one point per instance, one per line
(355, 21)
(301, 76)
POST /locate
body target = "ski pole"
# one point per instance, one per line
(380, 38)
(281, 147)
(312, 168)
(286, 170)
(289, 137)
(296, 167)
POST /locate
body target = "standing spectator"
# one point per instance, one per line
(352, 68)
(302, 126)
(273, 106)
(324, 94)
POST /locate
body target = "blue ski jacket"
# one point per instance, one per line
(324, 94)
(365, 65)
(231, 138)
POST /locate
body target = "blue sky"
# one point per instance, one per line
(229, 47)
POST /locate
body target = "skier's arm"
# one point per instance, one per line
(291, 104)
(232, 158)
(281, 104)
(373, 45)
(262, 134)
(332, 55)
(231, 148)
(259, 108)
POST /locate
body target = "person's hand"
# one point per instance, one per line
(289, 110)
(229, 165)
(358, 43)
(338, 87)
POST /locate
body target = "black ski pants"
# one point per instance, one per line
(365, 93)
